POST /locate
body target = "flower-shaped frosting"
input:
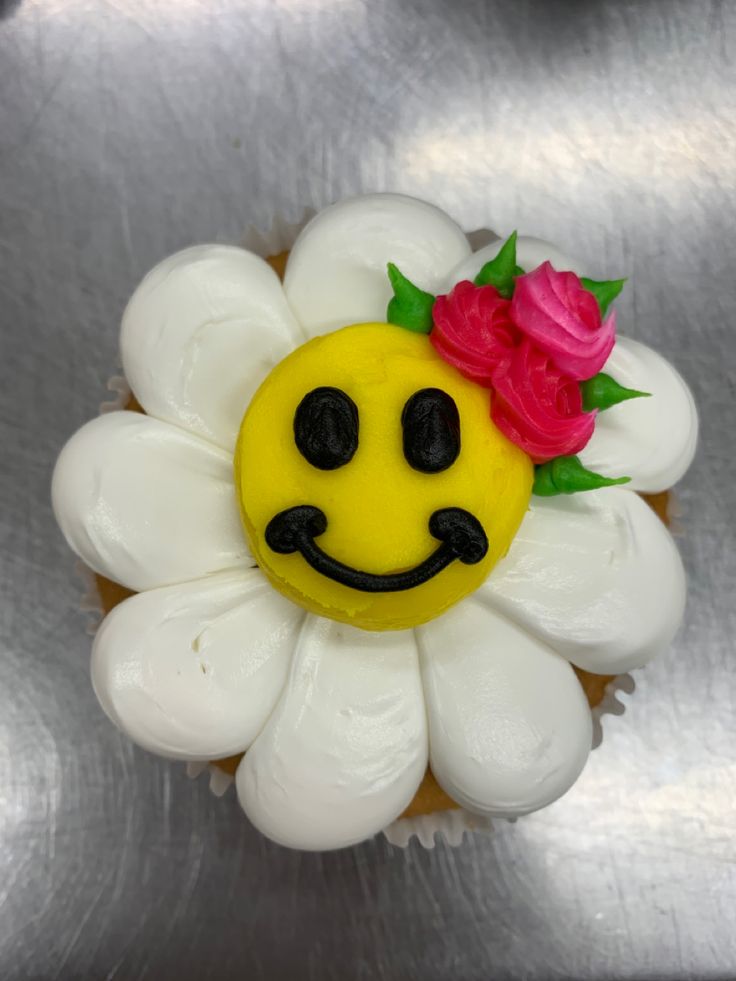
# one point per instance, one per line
(538, 408)
(473, 331)
(338, 724)
(564, 320)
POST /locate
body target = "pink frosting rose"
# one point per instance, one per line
(473, 331)
(538, 407)
(564, 321)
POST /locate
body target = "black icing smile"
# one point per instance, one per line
(461, 536)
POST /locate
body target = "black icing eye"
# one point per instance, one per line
(326, 428)
(431, 431)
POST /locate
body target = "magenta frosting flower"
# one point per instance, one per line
(538, 407)
(473, 331)
(563, 319)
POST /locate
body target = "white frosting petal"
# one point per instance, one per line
(336, 274)
(147, 504)
(510, 728)
(597, 576)
(530, 253)
(200, 334)
(346, 747)
(193, 671)
(652, 440)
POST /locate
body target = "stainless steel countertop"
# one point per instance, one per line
(130, 128)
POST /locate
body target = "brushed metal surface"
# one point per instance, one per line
(130, 128)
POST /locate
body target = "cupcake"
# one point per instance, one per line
(378, 527)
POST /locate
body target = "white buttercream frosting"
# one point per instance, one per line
(340, 722)
(509, 725)
(595, 575)
(193, 671)
(199, 335)
(336, 273)
(344, 751)
(652, 440)
(147, 504)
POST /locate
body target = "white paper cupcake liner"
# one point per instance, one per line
(449, 826)
(90, 603)
(220, 782)
(120, 393)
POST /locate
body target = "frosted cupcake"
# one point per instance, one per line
(376, 517)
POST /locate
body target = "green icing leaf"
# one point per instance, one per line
(605, 291)
(601, 392)
(500, 271)
(409, 307)
(543, 485)
(567, 475)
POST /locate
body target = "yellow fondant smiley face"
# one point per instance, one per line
(373, 486)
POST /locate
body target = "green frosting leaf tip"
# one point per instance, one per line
(502, 269)
(605, 291)
(567, 475)
(410, 307)
(601, 392)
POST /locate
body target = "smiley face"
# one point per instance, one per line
(373, 486)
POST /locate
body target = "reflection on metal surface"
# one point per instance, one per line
(671, 152)
(130, 128)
